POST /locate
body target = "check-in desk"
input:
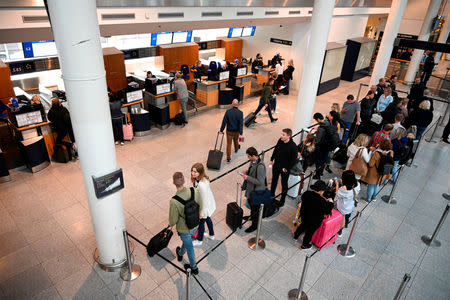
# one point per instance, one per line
(246, 81)
(208, 91)
(4, 173)
(140, 118)
(264, 75)
(162, 108)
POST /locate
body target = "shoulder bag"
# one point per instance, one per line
(358, 165)
(260, 197)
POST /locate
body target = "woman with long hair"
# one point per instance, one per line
(359, 145)
(346, 194)
(333, 117)
(201, 181)
(306, 151)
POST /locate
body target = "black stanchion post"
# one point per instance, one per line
(254, 242)
(431, 240)
(402, 286)
(345, 249)
(391, 199)
(298, 293)
(430, 139)
(188, 284)
(129, 272)
(311, 175)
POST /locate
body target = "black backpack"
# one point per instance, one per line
(191, 210)
(386, 164)
(331, 137)
(179, 119)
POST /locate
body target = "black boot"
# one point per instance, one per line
(251, 228)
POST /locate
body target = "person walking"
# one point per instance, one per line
(115, 106)
(254, 180)
(177, 217)
(200, 181)
(264, 101)
(350, 110)
(181, 90)
(233, 120)
(346, 196)
(314, 208)
(283, 158)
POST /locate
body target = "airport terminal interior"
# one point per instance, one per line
(80, 176)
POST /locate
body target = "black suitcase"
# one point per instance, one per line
(235, 213)
(159, 241)
(215, 156)
(61, 153)
(249, 119)
(340, 156)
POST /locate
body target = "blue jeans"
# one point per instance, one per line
(347, 219)
(372, 190)
(347, 126)
(201, 228)
(420, 131)
(261, 105)
(186, 238)
(273, 103)
(395, 171)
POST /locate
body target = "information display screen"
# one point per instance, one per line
(162, 88)
(248, 31)
(224, 75)
(29, 118)
(332, 66)
(161, 38)
(241, 71)
(39, 49)
(235, 32)
(182, 36)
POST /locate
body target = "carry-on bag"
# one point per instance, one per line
(215, 156)
(159, 241)
(340, 155)
(235, 212)
(331, 224)
(127, 129)
(293, 185)
(358, 165)
(61, 153)
(249, 119)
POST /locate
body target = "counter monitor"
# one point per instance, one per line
(39, 49)
(224, 75)
(182, 36)
(241, 71)
(163, 88)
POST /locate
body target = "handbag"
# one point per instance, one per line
(358, 164)
(376, 118)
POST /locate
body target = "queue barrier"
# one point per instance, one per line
(402, 286)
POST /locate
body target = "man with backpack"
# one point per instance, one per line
(327, 140)
(184, 212)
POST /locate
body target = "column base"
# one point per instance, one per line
(115, 267)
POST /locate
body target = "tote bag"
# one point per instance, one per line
(358, 165)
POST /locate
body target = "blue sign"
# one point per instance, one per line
(28, 49)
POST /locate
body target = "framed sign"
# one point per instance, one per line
(108, 184)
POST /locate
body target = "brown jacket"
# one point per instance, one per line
(372, 176)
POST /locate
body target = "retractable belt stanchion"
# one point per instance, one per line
(130, 271)
(431, 241)
(254, 242)
(345, 249)
(311, 175)
(297, 294)
(188, 284)
(401, 288)
(430, 139)
(391, 199)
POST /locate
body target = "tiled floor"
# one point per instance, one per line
(47, 240)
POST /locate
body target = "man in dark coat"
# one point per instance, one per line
(427, 68)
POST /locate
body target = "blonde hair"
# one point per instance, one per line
(336, 107)
(361, 140)
(400, 133)
(425, 105)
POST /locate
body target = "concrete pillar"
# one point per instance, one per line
(77, 36)
(433, 9)
(443, 36)
(312, 65)
(387, 42)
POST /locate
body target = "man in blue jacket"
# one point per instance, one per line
(233, 120)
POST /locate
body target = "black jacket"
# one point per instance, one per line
(416, 92)
(429, 64)
(115, 108)
(380, 91)
(421, 117)
(324, 135)
(389, 113)
(59, 116)
(233, 120)
(367, 106)
(284, 155)
(314, 208)
(288, 73)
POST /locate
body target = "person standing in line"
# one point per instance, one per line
(115, 106)
(384, 100)
(306, 150)
(378, 136)
(397, 124)
(283, 158)
(359, 144)
(415, 94)
(233, 120)
(181, 90)
(349, 111)
(400, 146)
(367, 105)
(314, 208)
(61, 123)
(380, 88)
(345, 195)
(201, 181)
(264, 101)
(333, 118)
(427, 68)
(421, 117)
(326, 140)
(177, 217)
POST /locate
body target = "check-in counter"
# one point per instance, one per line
(162, 108)
(264, 75)
(208, 91)
(4, 173)
(246, 81)
(140, 118)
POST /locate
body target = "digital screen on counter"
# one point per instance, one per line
(224, 75)
(39, 49)
(241, 71)
(182, 36)
(235, 32)
(29, 118)
(163, 88)
(248, 31)
(161, 38)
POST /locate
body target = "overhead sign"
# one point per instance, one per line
(280, 41)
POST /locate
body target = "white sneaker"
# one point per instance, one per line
(122, 143)
(339, 235)
(275, 112)
(116, 142)
(211, 237)
(197, 243)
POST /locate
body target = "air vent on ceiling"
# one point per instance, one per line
(244, 13)
(34, 19)
(170, 15)
(294, 12)
(276, 12)
(117, 16)
(211, 14)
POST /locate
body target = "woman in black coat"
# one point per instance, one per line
(421, 117)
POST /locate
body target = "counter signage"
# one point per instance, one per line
(163, 88)
(134, 96)
(224, 75)
(242, 71)
(16, 68)
(108, 184)
(280, 41)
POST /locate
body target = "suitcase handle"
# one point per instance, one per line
(238, 187)
(221, 141)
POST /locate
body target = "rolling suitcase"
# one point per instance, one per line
(215, 156)
(234, 212)
(331, 224)
(249, 119)
(159, 241)
(293, 185)
(127, 129)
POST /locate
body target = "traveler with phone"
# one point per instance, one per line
(201, 181)
(184, 212)
(233, 120)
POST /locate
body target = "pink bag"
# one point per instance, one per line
(330, 226)
(195, 235)
(127, 132)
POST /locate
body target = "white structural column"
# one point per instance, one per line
(387, 42)
(312, 65)
(443, 36)
(76, 32)
(424, 35)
